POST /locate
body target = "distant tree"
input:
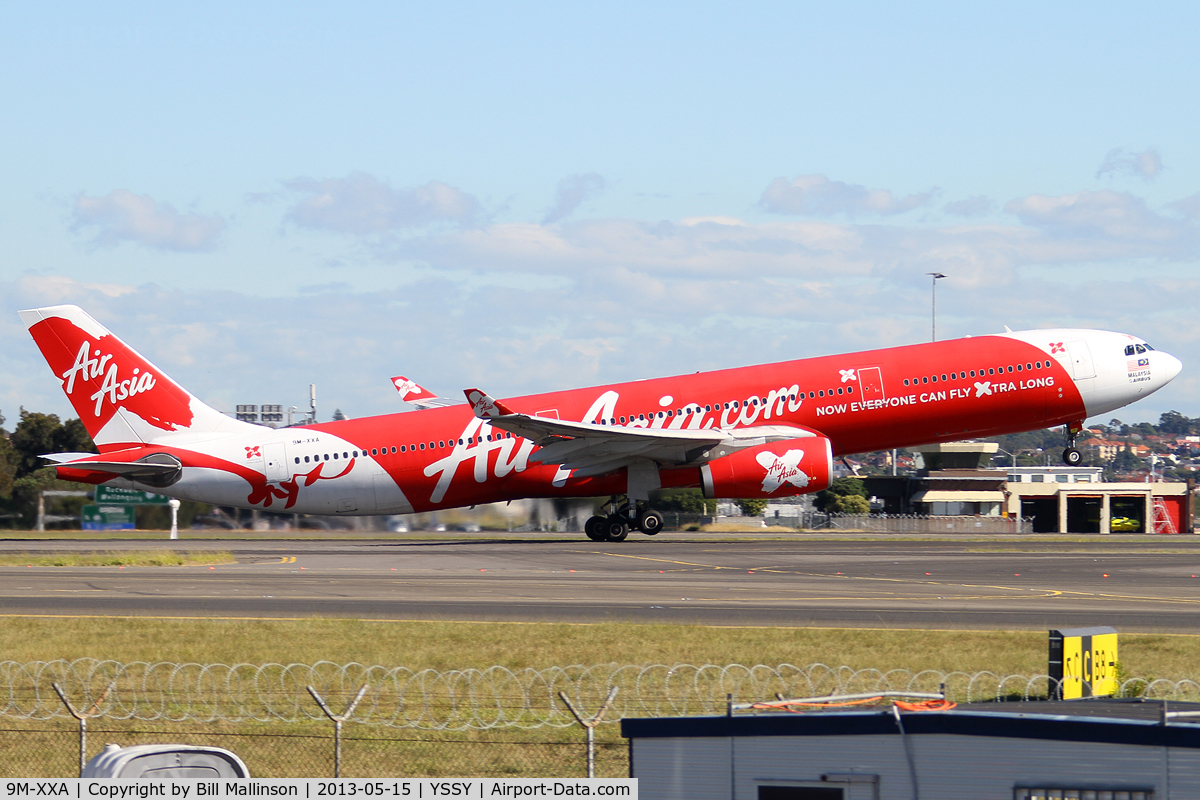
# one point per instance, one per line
(38, 434)
(849, 504)
(842, 487)
(1174, 422)
(8, 463)
(752, 508)
(338, 415)
(685, 501)
(1126, 461)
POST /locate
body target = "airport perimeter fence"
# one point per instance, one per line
(399, 722)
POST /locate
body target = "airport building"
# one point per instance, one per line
(953, 482)
(1095, 749)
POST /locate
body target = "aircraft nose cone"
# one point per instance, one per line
(1169, 367)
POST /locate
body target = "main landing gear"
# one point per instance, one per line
(618, 517)
(1072, 457)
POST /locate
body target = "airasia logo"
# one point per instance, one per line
(782, 469)
(90, 365)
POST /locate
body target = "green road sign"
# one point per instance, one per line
(111, 494)
(108, 518)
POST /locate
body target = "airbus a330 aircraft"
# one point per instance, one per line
(754, 432)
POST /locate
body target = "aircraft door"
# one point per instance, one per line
(275, 459)
(870, 383)
(1081, 360)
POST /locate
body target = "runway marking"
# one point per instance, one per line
(1040, 592)
(670, 561)
(288, 560)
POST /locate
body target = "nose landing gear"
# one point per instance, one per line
(622, 516)
(1071, 456)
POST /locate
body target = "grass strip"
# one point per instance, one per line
(459, 645)
(143, 558)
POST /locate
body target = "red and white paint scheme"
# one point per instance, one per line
(762, 431)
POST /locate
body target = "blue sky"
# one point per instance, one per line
(540, 196)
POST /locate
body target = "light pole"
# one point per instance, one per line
(1014, 455)
(935, 276)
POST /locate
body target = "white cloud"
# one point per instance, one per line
(572, 192)
(363, 205)
(1106, 216)
(122, 216)
(816, 195)
(975, 206)
(1146, 164)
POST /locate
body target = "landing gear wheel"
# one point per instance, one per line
(616, 529)
(595, 528)
(650, 522)
(1072, 457)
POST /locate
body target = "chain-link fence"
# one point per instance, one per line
(495, 722)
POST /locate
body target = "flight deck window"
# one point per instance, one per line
(1148, 347)
(1128, 349)
(1139, 348)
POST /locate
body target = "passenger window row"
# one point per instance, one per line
(405, 448)
(982, 373)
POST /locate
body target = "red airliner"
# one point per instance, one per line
(764, 431)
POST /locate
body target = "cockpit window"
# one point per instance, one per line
(1148, 347)
(1139, 348)
(1129, 350)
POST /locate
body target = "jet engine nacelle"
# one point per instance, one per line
(777, 469)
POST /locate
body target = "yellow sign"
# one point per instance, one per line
(1083, 662)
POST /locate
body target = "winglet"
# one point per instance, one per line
(484, 406)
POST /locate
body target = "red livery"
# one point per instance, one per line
(763, 431)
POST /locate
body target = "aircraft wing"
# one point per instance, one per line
(417, 395)
(589, 448)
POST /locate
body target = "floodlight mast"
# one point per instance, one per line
(933, 323)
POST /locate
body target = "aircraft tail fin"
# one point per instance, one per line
(414, 394)
(120, 397)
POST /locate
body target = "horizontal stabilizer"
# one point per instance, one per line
(59, 458)
(123, 467)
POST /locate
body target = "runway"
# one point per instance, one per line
(992, 583)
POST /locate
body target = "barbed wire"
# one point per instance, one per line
(473, 699)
